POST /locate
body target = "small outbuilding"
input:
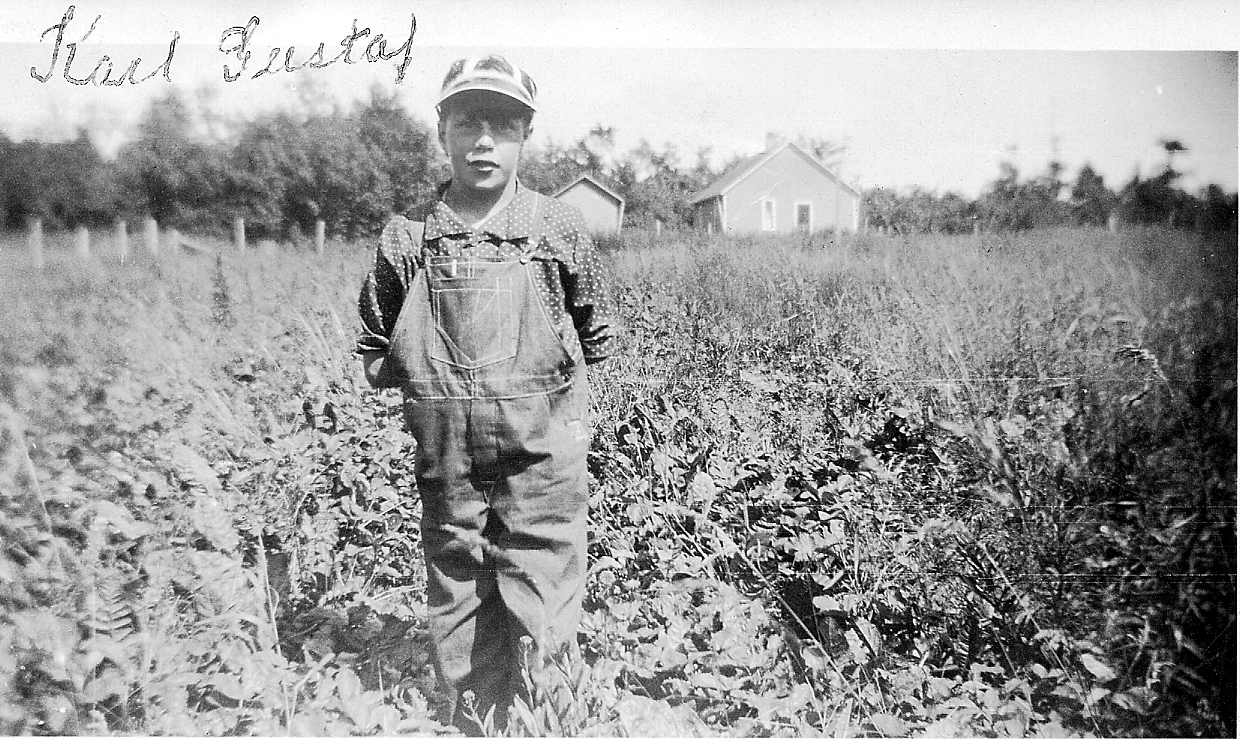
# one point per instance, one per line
(781, 190)
(602, 208)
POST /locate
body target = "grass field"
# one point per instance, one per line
(945, 486)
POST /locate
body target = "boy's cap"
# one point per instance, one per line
(492, 73)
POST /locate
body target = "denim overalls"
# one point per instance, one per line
(496, 397)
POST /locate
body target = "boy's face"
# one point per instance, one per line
(482, 133)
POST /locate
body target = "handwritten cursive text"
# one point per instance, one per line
(238, 40)
(105, 62)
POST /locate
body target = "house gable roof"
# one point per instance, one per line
(587, 178)
(730, 178)
(746, 167)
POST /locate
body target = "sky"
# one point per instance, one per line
(934, 95)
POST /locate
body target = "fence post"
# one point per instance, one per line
(239, 233)
(83, 243)
(658, 227)
(1113, 223)
(174, 241)
(122, 239)
(36, 241)
(152, 236)
(320, 235)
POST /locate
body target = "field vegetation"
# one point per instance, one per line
(853, 486)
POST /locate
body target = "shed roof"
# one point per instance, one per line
(748, 166)
(586, 177)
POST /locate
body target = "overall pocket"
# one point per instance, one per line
(474, 310)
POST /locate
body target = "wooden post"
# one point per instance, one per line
(658, 227)
(174, 241)
(122, 239)
(320, 235)
(83, 243)
(152, 236)
(239, 233)
(36, 241)
(1113, 223)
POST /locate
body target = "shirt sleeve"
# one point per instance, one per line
(385, 286)
(587, 295)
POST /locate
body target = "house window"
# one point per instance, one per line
(768, 215)
(805, 216)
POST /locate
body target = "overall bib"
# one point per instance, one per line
(496, 397)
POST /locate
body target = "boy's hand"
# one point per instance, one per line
(372, 363)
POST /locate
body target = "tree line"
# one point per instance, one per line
(193, 170)
(353, 168)
(1011, 203)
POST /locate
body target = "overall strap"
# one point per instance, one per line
(535, 239)
(417, 231)
(540, 202)
(416, 219)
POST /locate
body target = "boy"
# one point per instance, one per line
(484, 306)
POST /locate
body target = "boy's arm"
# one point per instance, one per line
(372, 365)
(383, 294)
(587, 292)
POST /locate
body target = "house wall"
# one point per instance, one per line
(602, 214)
(788, 179)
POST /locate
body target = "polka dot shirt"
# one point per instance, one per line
(572, 285)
